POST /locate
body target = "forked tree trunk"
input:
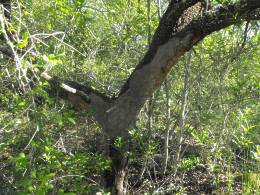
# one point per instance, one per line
(170, 42)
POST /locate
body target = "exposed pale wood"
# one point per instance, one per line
(168, 45)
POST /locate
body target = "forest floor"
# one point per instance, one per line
(199, 181)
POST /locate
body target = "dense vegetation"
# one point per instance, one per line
(198, 133)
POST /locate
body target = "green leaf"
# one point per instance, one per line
(21, 104)
(24, 42)
(71, 120)
(21, 155)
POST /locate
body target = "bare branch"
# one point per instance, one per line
(79, 95)
(167, 26)
(169, 43)
(197, 29)
(158, 61)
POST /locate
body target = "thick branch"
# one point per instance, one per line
(168, 45)
(147, 77)
(199, 28)
(167, 26)
(79, 95)
(222, 18)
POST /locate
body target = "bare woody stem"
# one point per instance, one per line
(168, 45)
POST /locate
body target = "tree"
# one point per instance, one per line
(181, 27)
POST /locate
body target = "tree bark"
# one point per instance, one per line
(169, 43)
(116, 177)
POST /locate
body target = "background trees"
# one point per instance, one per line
(209, 104)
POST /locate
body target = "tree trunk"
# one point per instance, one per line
(169, 43)
(116, 177)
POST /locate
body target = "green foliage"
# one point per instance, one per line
(24, 42)
(50, 147)
(187, 163)
(38, 161)
(200, 137)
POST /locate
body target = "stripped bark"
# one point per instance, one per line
(166, 48)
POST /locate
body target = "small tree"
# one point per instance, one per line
(183, 25)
